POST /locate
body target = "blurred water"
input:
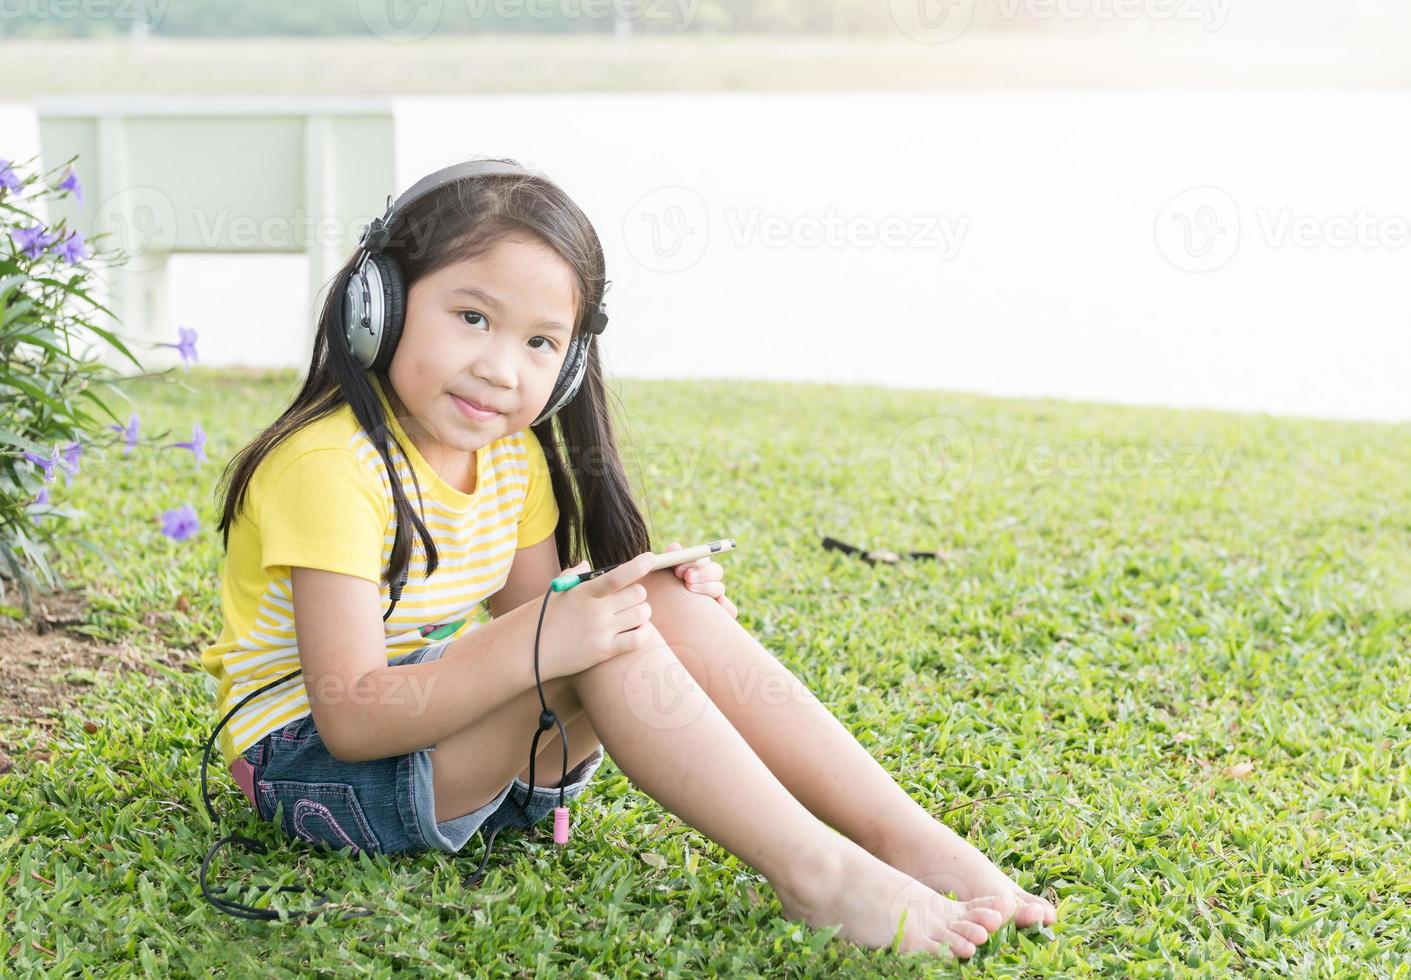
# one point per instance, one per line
(1244, 250)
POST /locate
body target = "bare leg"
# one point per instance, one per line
(816, 757)
(472, 765)
(689, 758)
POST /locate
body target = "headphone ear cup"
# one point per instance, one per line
(394, 301)
(575, 364)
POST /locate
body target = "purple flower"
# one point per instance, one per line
(197, 444)
(39, 502)
(33, 240)
(71, 453)
(72, 249)
(129, 432)
(187, 345)
(70, 183)
(181, 523)
(46, 464)
(8, 179)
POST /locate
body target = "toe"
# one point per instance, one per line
(972, 931)
(1034, 910)
(958, 944)
(988, 919)
(1029, 914)
(1005, 905)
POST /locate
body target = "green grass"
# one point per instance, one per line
(1098, 648)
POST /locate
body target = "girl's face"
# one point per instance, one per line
(493, 330)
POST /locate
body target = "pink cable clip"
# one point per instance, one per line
(560, 825)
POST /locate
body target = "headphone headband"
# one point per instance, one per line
(377, 233)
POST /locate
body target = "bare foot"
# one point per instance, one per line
(849, 887)
(941, 859)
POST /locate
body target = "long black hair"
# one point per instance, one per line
(598, 519)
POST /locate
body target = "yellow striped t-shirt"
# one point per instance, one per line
(322, 499)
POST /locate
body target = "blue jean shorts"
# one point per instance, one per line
(384, 805)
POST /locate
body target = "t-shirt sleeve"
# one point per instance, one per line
(324, 509)
(541, 512)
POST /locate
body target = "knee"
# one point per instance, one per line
(666, 592)
(675, 608)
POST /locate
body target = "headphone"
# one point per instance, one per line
(374, 311)
(375, 301)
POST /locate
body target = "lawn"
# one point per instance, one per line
(1160, 671)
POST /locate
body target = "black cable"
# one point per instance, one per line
(241, 910)
(546, 718)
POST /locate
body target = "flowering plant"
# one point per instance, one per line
(46, 275)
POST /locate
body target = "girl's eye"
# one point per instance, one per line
(475, 313)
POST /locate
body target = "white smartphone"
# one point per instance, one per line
(663, 559)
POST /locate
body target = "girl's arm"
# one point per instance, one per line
(531, 571)
(365, 709)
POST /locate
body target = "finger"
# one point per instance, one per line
(623, 575)
(729, 607)
(632, 617)
(712, 572)
(713, 589)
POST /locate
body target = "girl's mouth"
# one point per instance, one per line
(471, 412)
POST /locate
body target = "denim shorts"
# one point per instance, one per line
(384, 805)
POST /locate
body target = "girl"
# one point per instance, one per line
(410, 734)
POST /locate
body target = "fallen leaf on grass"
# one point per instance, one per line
(1240, 770)
(654, 859)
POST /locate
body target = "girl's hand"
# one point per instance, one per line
(597, 619)
(704, 575)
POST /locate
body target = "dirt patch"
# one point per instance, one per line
(45, 668)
